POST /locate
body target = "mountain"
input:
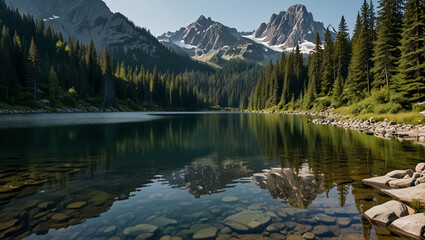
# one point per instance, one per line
(85, 20)
(287, 29)
(205, 39)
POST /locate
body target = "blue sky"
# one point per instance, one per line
(160, 16)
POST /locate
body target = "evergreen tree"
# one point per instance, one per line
(107, 72)
(34, 68)
(5, 63)
(328, 66)
(387, 46)
(412, 63)
(342, 50)
(315, 64)
(357, 83)
(54, 88)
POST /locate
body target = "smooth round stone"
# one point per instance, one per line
(322, 231)
(76, 205)
(141, 228)
(165, 238)
(276, 227)
(176, 238)
(230, 199)
(144, 236)
(309, 236)
(325, 218)
(45, 205)
(294, 237)
(291, 225)
(110, 229)
(226, 230)
(60, 217)
(343, 222)
(206, 233)
(276, 236)
(216, 210)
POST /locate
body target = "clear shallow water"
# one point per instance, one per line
(182, 173)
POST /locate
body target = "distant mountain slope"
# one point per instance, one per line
(84, 20)
(206, 38)
(287, 29)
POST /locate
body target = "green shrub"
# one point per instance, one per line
(416, 205)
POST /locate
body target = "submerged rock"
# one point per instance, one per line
(384, 214)
(411, 227)
(207, 233)
(76, 205)
(140, 229)
(60, 217)
(247, 220)
(230, 199)
(163, 222)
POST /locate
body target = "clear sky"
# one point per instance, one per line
(160, 16)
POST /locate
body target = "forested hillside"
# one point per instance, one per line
(41, 69)
(380, 69)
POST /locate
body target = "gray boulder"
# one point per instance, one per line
(402, 183)
(400, 173)
(410, 227)
(383, 215)
(420, 167)
(379, 182)
(407, 194)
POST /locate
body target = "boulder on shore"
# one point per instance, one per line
(384, 214)
(410, 227)
(420, 167)
(379, 182)
(402, 183)
(407, 194)
(400, 173)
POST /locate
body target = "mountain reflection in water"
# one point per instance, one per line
(82, 176)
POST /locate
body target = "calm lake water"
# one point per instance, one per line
(229, 175)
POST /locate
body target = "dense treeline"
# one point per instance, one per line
(380, 69)
(39, 68)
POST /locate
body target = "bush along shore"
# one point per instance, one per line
(403, 216)
(383, 129)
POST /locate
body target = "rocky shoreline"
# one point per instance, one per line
(384, 129)
(397, 216)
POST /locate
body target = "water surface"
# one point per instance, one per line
(92, 176)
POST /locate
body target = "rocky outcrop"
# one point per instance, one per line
(397, 216)
(410, 227)
(287, 29)
(87, 20)
(383, 215)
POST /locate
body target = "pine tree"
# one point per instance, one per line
(107, 72)
(34, 68)
(356, 86)
(5, 63)
(315, 64)
(412, 63)
(387, 46)
(342, 50)
(54, 88)
(328, 66)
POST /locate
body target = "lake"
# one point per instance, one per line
(190, 175)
